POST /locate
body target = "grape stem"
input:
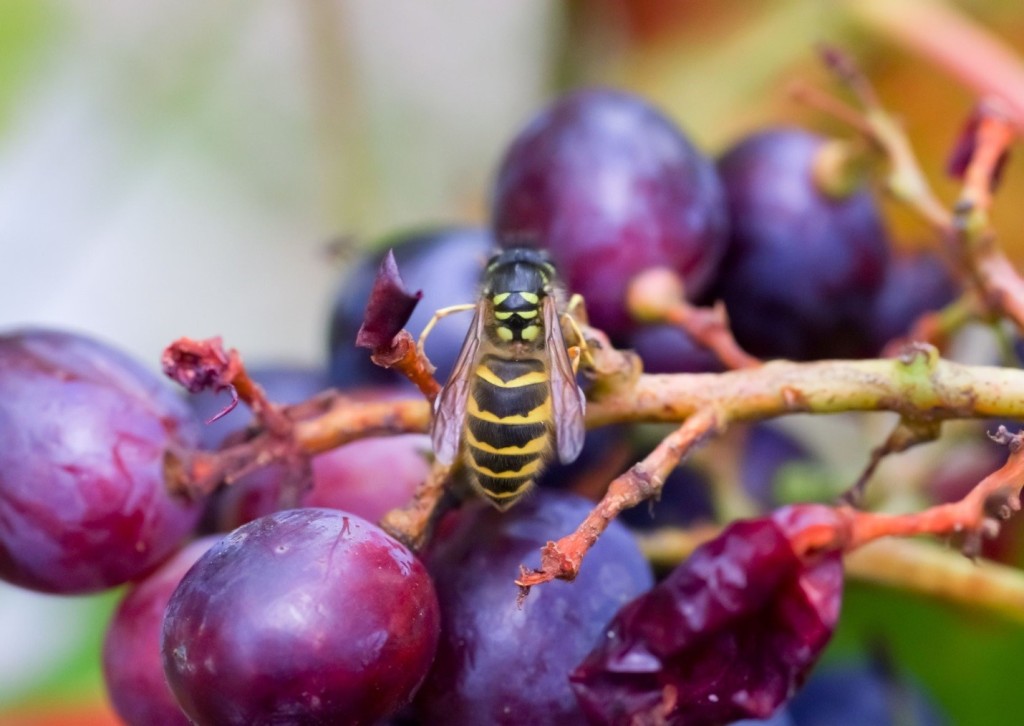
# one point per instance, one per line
(413, 523)
(919, 385)
(968, 239)
(656, 296)
(994, 498)
(404, 356)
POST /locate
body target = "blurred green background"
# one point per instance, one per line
(196, 168)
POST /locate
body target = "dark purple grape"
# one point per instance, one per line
(611, 187)
(132, 667)
(667, 349)
(498, 663)
(854, 694)
(803, 268)
(685, 499)
(309, 616)
(84, 430)
(914, 284)
(606, 451)
(729, 634)
(446, 264)
(283, 384)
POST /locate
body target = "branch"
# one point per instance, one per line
(656, 296)
(562, 559)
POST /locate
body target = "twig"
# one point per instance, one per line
(562, 559)
(975, 516)
(656, 296)
(413, 523)
(906, 434)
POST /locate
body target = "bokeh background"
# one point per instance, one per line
(197, 168)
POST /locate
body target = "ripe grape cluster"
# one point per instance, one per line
(315, 615)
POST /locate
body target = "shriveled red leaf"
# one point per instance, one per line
(730, 634)
(389, 308)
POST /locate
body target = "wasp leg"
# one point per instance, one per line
(577, 308)
(443, 312)
(583, 349)
(574, 357)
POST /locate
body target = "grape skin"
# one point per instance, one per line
(802, 271)
(84, 429)
(306, 616)
(498, 663)
(611, 187)
(132, 666)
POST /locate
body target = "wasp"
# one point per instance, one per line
(511, 403)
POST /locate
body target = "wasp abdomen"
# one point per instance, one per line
(507, 426)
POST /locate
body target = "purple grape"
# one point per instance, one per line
(308, 616)
(667, 349)
(855, 693)
(132, 666)
(446, 264)
(606, 451)
(498, 663)
(367, 478)
(685, 499)
(84, 429)
(802, 271)
(915, 283)
(729, 634)
(611, 187)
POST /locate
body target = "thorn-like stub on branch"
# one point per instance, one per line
(989, 528)
(389, 308)
(1003, 436)
(962, 208)
(915, 351)
(971, 545)
(838, 61)
(653, 293)
(795, 399)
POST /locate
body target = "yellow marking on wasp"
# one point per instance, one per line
(505, 333)
(530, 332)
(527, 314)
(526, 379)
(534, 446)
(505, 495)
(502, 316)
(530, 297)
(541, 414)
(500, 298)
(527, 470)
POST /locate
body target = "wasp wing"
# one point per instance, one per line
(567, 400)
(450, 404)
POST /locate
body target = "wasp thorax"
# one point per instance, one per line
(516, 281)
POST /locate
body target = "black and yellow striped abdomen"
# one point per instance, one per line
(508, 426)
